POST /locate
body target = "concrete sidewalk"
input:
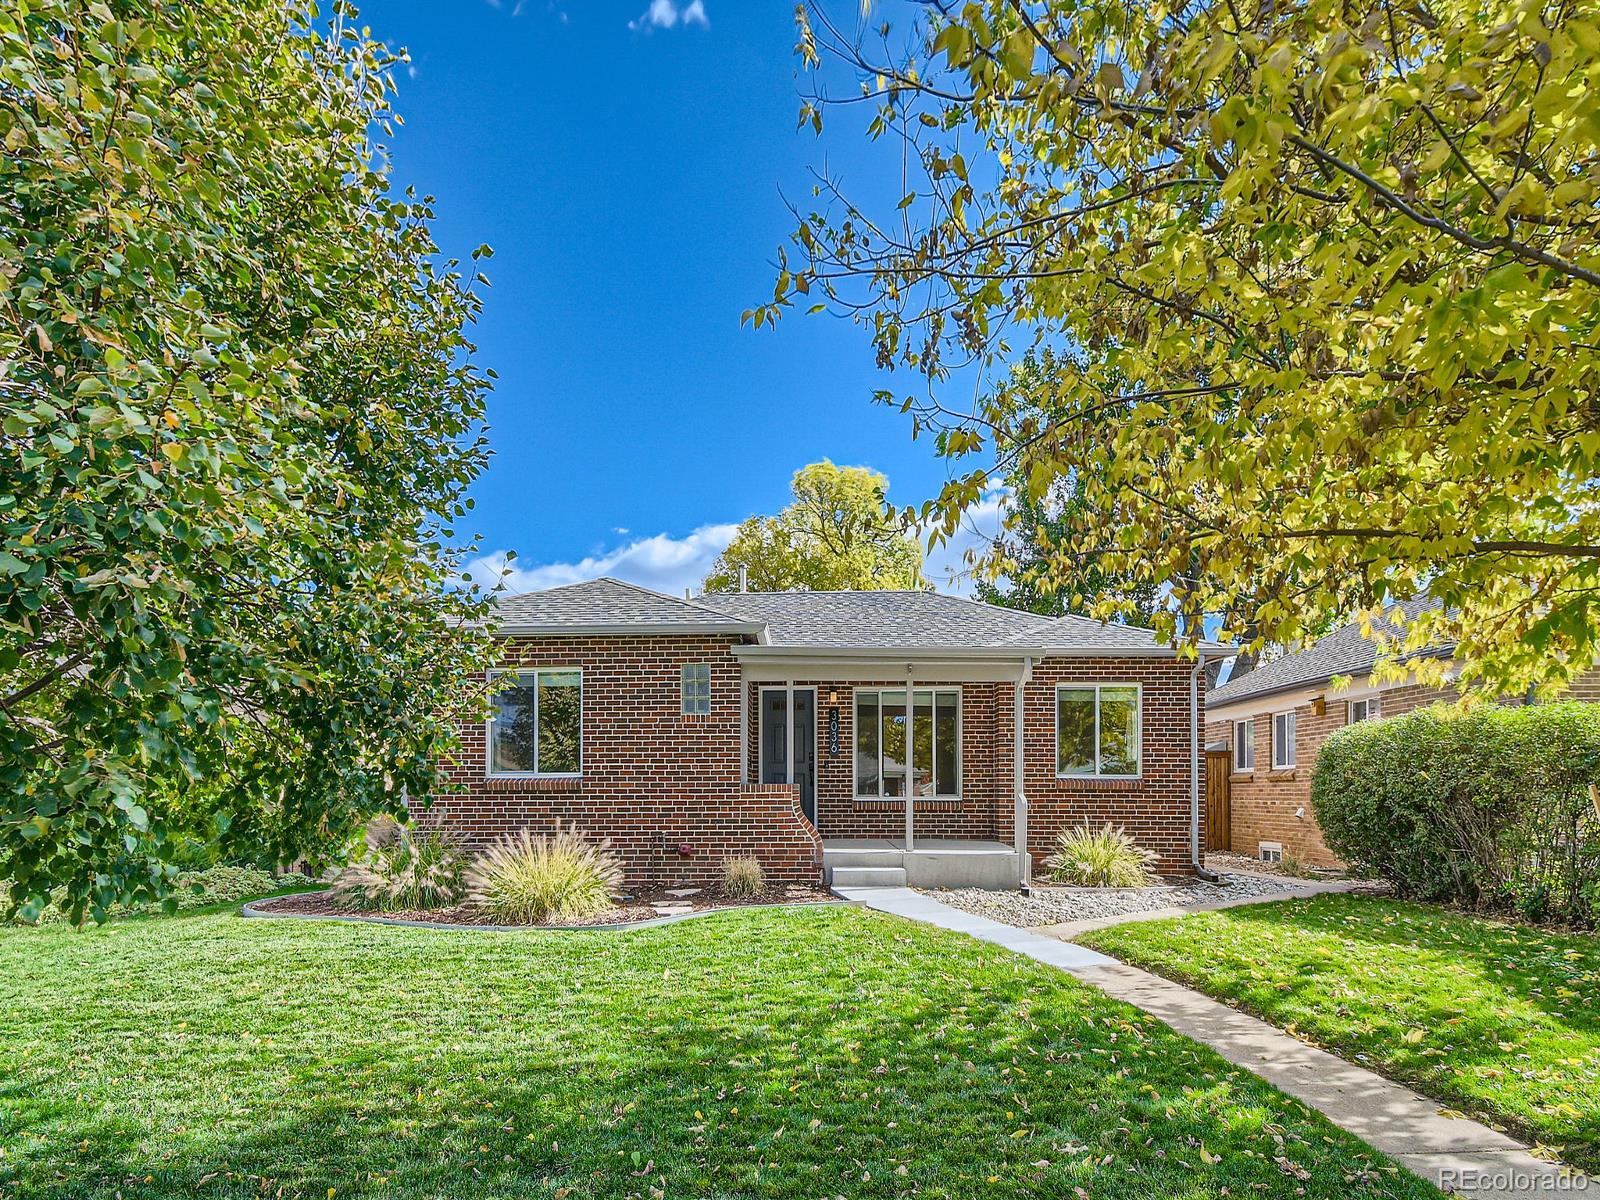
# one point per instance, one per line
(1455, 1153)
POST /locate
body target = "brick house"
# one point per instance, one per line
(1273, 720)
(667, 725)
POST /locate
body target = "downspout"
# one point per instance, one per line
(1194, 774)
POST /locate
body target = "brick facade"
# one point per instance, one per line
(1275, 806)
(656, 782)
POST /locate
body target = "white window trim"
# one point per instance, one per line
(1238, 726)
(1138, 708)
(961, 741)
(488, 725)
(683, 696)
(1278, 765)
(1374, 709)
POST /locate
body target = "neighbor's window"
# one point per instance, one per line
(1097, 730)
(1283, 740)
(1244, 745)
(923, 755)
(1363, 710)
(537, 726)
(697, 689)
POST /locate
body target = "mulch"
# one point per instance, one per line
(631, 909)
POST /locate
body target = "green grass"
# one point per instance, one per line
(801, 1053)
(1498, 1020)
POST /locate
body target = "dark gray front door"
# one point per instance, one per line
(775, 743)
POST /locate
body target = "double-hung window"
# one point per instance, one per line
(920, 753)
(537, 724)
(1097, 731)
(1363, 710)
(697, 689)
(1244, 745)
(1283, 741)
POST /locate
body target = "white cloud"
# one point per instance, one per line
(667, 564)
(946, 566)
(664, 14)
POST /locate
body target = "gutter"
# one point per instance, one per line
(659, 629)
(996, 653)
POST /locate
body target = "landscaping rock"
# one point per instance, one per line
(1058, 905)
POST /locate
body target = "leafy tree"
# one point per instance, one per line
(238, 419)
(1038, 569)
(1333, 262)
(838, 534)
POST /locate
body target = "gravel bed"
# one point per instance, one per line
(1056, 905)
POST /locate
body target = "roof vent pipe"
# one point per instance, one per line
(744, 579)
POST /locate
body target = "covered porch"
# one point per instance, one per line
(909, 765)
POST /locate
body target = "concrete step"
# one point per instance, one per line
(868, 877)
(861, 857)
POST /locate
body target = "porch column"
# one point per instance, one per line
(1019, 819)
(911, 758)
(788, 732)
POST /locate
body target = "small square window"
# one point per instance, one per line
(697, 689)
(1363, 710)
(1269, 852)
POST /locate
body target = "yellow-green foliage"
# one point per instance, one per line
(1330, 275)
(531, 879)
(743, 878)
(403, 870)
(1103, 858)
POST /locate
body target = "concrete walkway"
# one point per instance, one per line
(1457, 1154)
(906, 902)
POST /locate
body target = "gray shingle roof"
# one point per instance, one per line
(608, 604)
(1345, 651)
(924, 620)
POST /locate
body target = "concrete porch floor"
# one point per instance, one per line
(931, 862)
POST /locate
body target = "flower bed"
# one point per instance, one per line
(630, 910)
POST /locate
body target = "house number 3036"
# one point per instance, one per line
(833, 733)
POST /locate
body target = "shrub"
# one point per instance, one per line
(743, 878)
(1108, 858)
(1489, 806)
(403, 870)
(530, 879)
(186, 891)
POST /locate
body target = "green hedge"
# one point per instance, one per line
(1489, 806)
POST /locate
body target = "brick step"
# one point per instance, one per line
(868, 876)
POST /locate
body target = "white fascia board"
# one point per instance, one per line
(661, 629)
(1359, 688)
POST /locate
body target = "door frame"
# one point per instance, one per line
(761, 742)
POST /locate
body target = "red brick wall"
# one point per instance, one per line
(1153, 808)
(653, 779)
(1275, 806)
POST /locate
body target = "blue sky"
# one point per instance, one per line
(628, 161)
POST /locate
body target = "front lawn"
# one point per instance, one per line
(1500, 1020)
(806, 1053)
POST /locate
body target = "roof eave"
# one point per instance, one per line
(1010, 652)
(650, 629)
(1317, 681)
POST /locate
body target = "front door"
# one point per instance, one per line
(775, 742)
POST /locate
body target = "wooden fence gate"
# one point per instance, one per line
(1219, 805)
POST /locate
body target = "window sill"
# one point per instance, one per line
(534, 783)
(1242, 776)
(1281, 773)
(1100, 783)
(898, 803)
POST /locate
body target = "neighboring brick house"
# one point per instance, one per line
(664, 725)
(1272, 720)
